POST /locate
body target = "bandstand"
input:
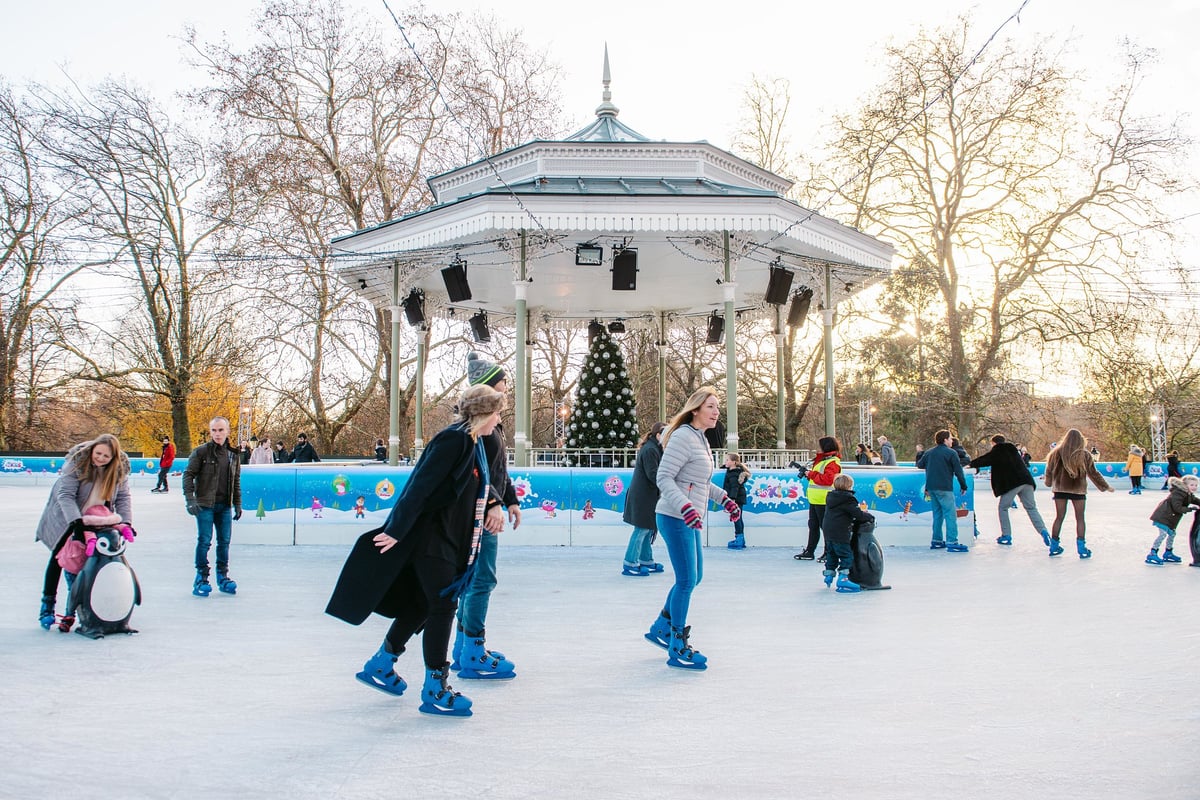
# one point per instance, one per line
(608, 225)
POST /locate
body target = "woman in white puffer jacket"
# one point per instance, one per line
(685, 486)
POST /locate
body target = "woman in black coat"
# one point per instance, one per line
(415, 566)
(639, 506)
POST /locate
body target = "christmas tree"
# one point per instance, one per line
(603, 416)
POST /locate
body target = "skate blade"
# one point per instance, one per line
(693, 667)
(395, 691)
(654, 640)
(476, 675)
(873, 588)
(438, 711)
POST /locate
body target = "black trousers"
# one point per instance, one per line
(162, 478)
(816, 518)
(426, 576)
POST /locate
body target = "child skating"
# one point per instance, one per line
(1167, 515)
(841, 512)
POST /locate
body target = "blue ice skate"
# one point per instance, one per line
(1081, 547)
(847, 586)
(479, 663)
(1056, 548)
(1153, 559)
(226, 584)
(201, 587)
(636, 572)
(380, 673)
(660, 632)
(827, 575)
(1004, 539)
(681, 654)
(1169, 557)
(46, 614)
(439, 698)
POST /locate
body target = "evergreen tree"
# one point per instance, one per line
(603, 416)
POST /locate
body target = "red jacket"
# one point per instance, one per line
(168, 456)
(825, 476)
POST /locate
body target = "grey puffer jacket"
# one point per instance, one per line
(69, 493)
(685, 474)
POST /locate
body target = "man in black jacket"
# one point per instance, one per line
(304, 452)
(212, 489)
(471, 657)
(1011, 479)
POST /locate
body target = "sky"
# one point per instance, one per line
(678, 70)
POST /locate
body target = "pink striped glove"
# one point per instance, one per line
(732, 509)
(90, 549)
(691, 517)
(126, 532)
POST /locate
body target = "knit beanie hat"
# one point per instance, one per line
(481, 371)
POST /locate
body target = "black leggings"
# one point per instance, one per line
(427, 576)
(53, 570)
(1136, 480)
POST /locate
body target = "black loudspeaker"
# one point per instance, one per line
(716, 329)
(455, 278)
(479, 328)
(624, 270)
(799, 309)
(414, 307)
(778, 286)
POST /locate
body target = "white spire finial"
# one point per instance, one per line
(606, 107)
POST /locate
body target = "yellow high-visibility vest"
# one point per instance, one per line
(814, 493)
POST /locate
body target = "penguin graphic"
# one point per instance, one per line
(104, 593)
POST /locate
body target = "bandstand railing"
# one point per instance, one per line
(621, 457)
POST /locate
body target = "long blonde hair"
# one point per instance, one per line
(477, 404)
(738, 463)
(1071, 454)
(110, 476)
(688, 412)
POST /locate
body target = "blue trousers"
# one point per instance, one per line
(473, 605)
(220, 518)
(687, 560)
(639, 552)
(944, 517)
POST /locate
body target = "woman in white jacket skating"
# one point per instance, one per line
(685, 487)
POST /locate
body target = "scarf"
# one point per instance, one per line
(461, 583)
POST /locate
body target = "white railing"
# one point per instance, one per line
(621, 457)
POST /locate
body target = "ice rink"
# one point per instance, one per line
(999, 673)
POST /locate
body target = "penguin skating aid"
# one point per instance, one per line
(106, 590)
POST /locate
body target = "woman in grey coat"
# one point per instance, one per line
(94, 473)
(685, 486)
(639, 505)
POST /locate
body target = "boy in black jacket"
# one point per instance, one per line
(841, 512)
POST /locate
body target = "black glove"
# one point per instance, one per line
(193, 508)
(237, 513)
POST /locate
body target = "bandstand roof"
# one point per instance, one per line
(608, 185)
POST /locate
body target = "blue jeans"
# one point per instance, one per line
(473, 605)
(683, 546)
(944, 516)
(220, 516)
(639, 552)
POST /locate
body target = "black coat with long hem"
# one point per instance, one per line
(435, 514)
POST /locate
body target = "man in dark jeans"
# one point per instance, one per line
(304, 452)
(212, 488)
(942, 466)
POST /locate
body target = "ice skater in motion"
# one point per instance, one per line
(414, 568)
(685, 486)
(1167, 515)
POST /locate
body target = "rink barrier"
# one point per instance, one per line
(559, 506)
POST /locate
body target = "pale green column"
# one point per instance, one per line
(662, 366)
(419, 422)
(731, 410)
(522, 394)
(781, 390)
(394, 383)
(830, 409)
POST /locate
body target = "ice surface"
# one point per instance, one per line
(1000, 673)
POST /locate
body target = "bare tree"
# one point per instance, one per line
(760, 136)
(334, 123)
(1019, 205)
(35, 213)
(139, 183)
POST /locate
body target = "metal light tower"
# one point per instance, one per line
(561, 412)
(866, 427)
(245, 419)
(1158, 434)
